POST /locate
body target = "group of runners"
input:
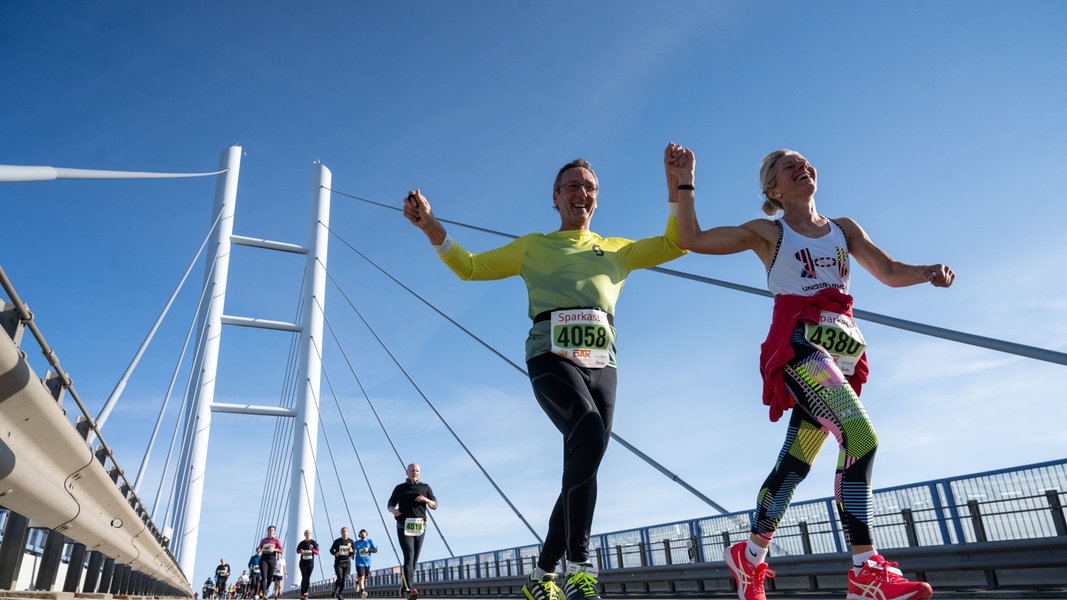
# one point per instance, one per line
(267, 568)
(813, 361)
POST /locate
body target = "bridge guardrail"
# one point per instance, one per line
(49, 473)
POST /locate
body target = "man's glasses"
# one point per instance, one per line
(573, 188)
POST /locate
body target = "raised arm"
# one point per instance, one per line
(417, 210)
(759, 235)
(886, 269)
(679, 164)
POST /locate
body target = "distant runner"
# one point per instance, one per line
(408, 504)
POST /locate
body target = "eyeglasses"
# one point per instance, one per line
(573, 188)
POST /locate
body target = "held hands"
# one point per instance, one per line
(679, 164)
(939, 275)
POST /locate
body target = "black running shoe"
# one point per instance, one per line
(542, 589)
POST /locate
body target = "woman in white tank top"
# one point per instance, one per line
(813, 360)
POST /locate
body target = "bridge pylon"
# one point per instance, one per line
(210, 324)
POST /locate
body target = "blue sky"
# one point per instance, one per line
(939, 127)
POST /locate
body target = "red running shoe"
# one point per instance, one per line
(749, 577)
(881, 580)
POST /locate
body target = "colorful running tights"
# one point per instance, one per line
(824, 403)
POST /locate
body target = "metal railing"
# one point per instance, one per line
(1002, 513)
(107, 514)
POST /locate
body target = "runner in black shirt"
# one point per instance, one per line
(408, 504)
(222, 573)
(306, 551)
(343, 549)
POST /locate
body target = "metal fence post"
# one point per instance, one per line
(74, 567)
(976, 521)
(909, 527)
(16, 530)
(92, 573)
(50, 559)
(980, 536)
(805, 542)
(1054, 504)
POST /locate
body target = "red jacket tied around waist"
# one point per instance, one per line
(776, 351)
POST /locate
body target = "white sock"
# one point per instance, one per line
(858, 560)
(539, 573)
(754, 553)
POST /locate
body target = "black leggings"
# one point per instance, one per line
(306, 567)
(411, 546)
(341, 570)
(267, 563)
(581, 404)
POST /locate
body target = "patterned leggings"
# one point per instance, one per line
(824, 403)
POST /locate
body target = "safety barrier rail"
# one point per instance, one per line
(50, 474)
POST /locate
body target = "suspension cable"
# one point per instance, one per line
(435, 411)
(177, 368)
(113, 399)
(359, 459)
(427, 400)
(961, 337)
(615, 436)
(182, 409)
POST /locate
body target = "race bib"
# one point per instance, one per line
(268, 547)
(343, 550)
(307, 555)
(840, 337)
(414, 527)
(583, 336)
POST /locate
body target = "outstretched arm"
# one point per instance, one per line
(759, 235)
(884, 268)
(417, 210)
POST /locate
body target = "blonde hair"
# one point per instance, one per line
(768, 178)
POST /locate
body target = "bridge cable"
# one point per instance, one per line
(961, 337)
(188, 428)
(437, 527)
(336, 474)
(271, 504)
(329, 523)
(351, 440)
(182, 407)
(318, 481)
(440, 417)
(656, 465)
(120, 386)
(359, 459)
(170, 388)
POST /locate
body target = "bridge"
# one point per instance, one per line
(73, 522)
